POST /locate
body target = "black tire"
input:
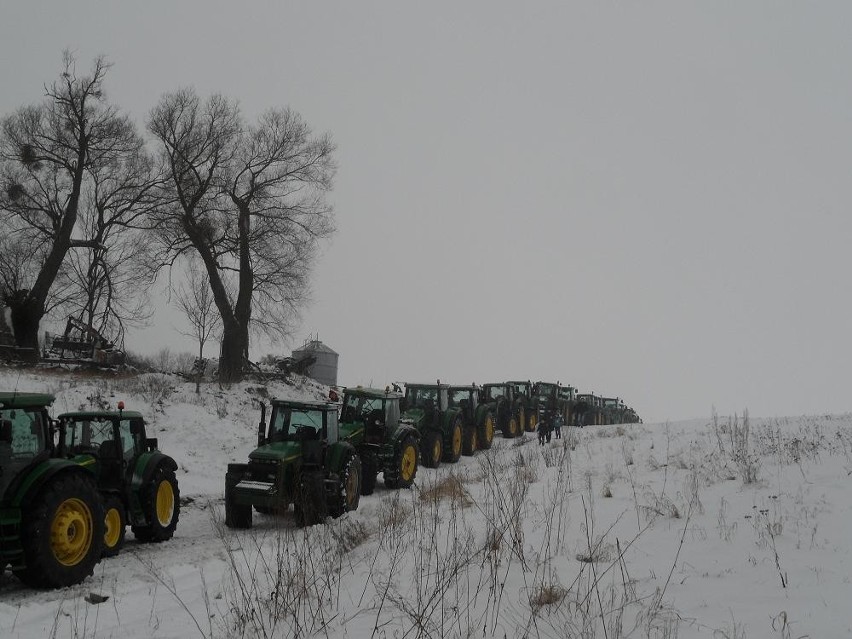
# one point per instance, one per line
(522, 419)
(160, 499)
(403, 468)
(236, 515)
(486, 431)
(431, 449)
(62, 532)
(453, 442)
(347, 492)
(369, 471)
(310, 507)
(470, 441)
(115, 522)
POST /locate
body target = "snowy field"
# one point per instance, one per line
(728, 527)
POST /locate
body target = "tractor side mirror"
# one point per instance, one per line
(6, 431)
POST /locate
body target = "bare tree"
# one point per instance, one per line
(251, 203)
(195, 300)
(46, 153)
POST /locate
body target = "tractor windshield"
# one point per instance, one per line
(546, 390)
(461, 397)
(295, 423)
(27, 431)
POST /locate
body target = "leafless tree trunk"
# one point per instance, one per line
(47, 153)
(195, 300)
(251, 203)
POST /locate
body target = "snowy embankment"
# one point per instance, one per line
(709, 528)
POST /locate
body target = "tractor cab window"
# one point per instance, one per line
(422, 397)
(462, 398)
(296, 424)
(332, 431)
(521, 389)
(90, 435)
(27, 431)
(494, 392)
(130, 437)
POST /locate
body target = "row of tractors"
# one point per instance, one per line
(321, 457)
(69, 487)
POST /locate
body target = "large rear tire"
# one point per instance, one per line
(62, 533)
(160, 499)
(470, 441)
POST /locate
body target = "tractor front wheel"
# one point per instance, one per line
(453, 442)
(115, 520)
(404, 465)
(470, 441)
(369, 470)
(62, 533)
(432, 449)
(347, 493)
(486, 432)
(160, 500)
(310, 507)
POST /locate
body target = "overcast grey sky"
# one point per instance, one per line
(649, 200)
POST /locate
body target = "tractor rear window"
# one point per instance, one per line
(27, 431)
(493, 392)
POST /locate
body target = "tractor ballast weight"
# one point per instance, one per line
(441, 426)
(137, 481)
(370, 420)
(51, 513)
(301, 460)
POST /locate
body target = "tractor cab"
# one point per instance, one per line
(25, 433)
(466, 399)
(374, 410)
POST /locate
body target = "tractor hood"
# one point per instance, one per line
(278, 451)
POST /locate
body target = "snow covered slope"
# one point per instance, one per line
(713, 528)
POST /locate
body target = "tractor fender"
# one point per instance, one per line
(481, 412)
(42, 473)
(336, 454)
(403, 431)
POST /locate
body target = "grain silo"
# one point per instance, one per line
(324, 367)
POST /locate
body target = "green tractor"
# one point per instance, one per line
(526, 406)
(370, 421)
(300, 459)
(51, 513)
(508, 407)
(554, 399)
(478, 418)
(136, 480)
(615, 411)
(441, 426)
(588, 411)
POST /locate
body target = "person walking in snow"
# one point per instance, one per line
(557, 426)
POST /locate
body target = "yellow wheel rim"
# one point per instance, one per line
(436, 451)
(474, 441)
(71, 532)
(533, 421)
(522, 420)
(513, 426)
(165, 502)
(112, 528)
(489, 428)
(457, 441)
(409, 463)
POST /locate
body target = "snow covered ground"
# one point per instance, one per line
(719, 528)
